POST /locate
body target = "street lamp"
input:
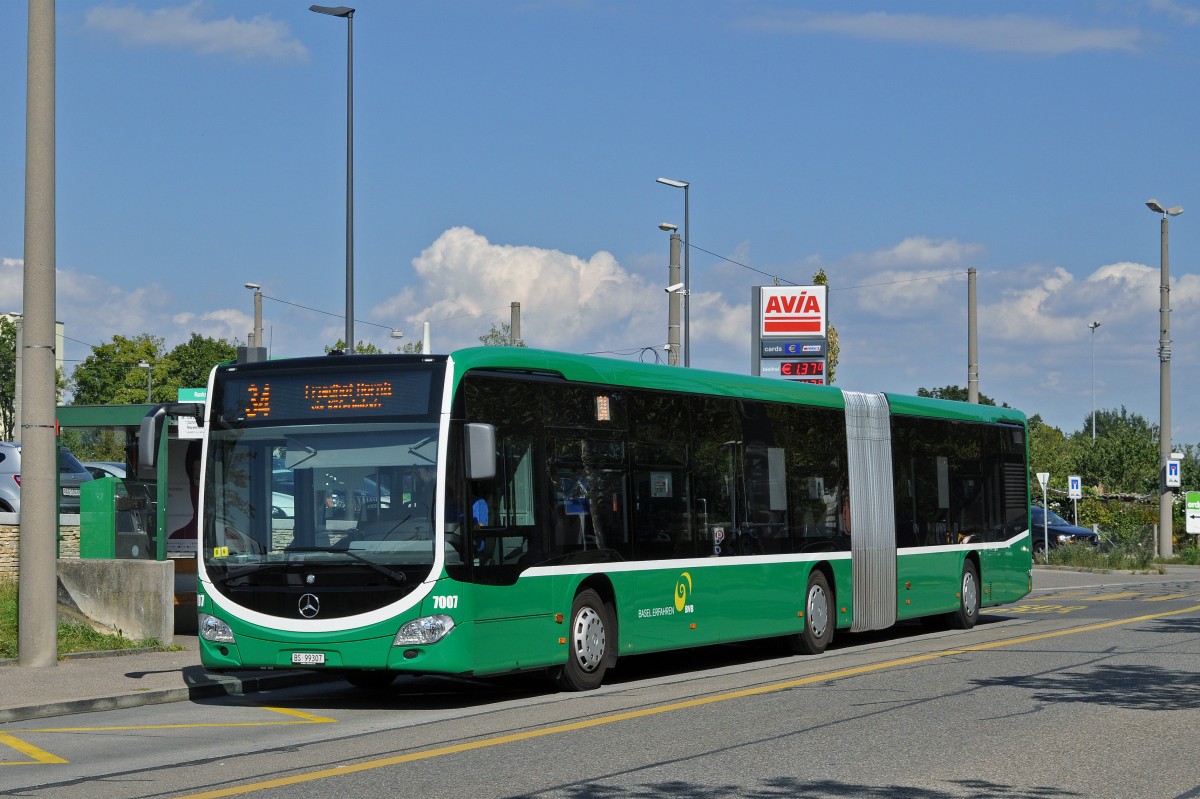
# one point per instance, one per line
(256, 337)
(1092, 326)
(1166, 497)
(348, 13)
(687, 269)
(144, 364)
(674, 291)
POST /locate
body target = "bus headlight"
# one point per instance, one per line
(425, 630)
(214, 630)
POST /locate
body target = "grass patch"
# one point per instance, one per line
(72, 636)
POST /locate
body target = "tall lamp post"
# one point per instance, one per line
(1166, 498)
(348, 13)
(144, 364)
(687, 270)
(673, 289)
(1092, 327)
(256, 337)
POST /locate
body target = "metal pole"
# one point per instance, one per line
(673, 303)
(1167, 497)
(972, 340)
(348, 13)
(687, 282)
(687, 269)
(258, 328)
(349, 182)
(1093, 327)
(37, 638)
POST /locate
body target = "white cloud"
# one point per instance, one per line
(1175, 10)
(924, 251)
(1009, 33)
(181, 27)
(567, 302)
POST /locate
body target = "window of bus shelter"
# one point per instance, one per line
(716, 465)
(658, 432)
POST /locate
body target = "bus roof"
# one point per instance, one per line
(592, 369)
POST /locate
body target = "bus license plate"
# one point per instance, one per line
(308, 658)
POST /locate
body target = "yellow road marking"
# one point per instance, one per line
(1123, 595)
(36, 755)
(1165, 598)
(501, 740)
(43, 757)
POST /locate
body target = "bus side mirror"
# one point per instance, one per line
(152, 426)
(480, 450)
(152, 430)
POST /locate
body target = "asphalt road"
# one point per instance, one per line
(1087, 688)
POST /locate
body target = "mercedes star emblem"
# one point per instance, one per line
(310, 606)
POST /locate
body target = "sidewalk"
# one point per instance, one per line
(128, 678)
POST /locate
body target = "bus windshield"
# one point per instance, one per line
(322, 493)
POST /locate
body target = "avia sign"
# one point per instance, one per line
(791, 311)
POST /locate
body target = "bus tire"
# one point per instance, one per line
(818, 617)
(590, 642)
(369, 680)
(968, 598)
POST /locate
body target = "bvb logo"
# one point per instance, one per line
(682, 589)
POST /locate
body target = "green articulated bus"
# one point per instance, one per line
(503, 509)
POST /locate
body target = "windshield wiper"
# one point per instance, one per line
(398, 577)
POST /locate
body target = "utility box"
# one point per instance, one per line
(116, 519)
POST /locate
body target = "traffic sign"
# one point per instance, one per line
(1173, 474)
(1192, 511)
(1074, 487)
(1043, 478)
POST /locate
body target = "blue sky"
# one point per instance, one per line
(507, 151)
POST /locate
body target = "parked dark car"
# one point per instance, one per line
(1057, 529)
(71, 474)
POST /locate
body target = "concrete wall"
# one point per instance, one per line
(140, 598)
(133, 597)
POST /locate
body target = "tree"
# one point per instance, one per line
(956, 393)
(111, 375)
(361, 348)
(1123, 458)
(189, 363)
(499, 336)
(833, 350)
(1049, 451)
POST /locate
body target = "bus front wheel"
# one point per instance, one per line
(968, 603)
(818, 618)
(591, 643)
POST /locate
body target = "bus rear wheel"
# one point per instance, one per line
(818, 618)
(968, 603)
(590, 641)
